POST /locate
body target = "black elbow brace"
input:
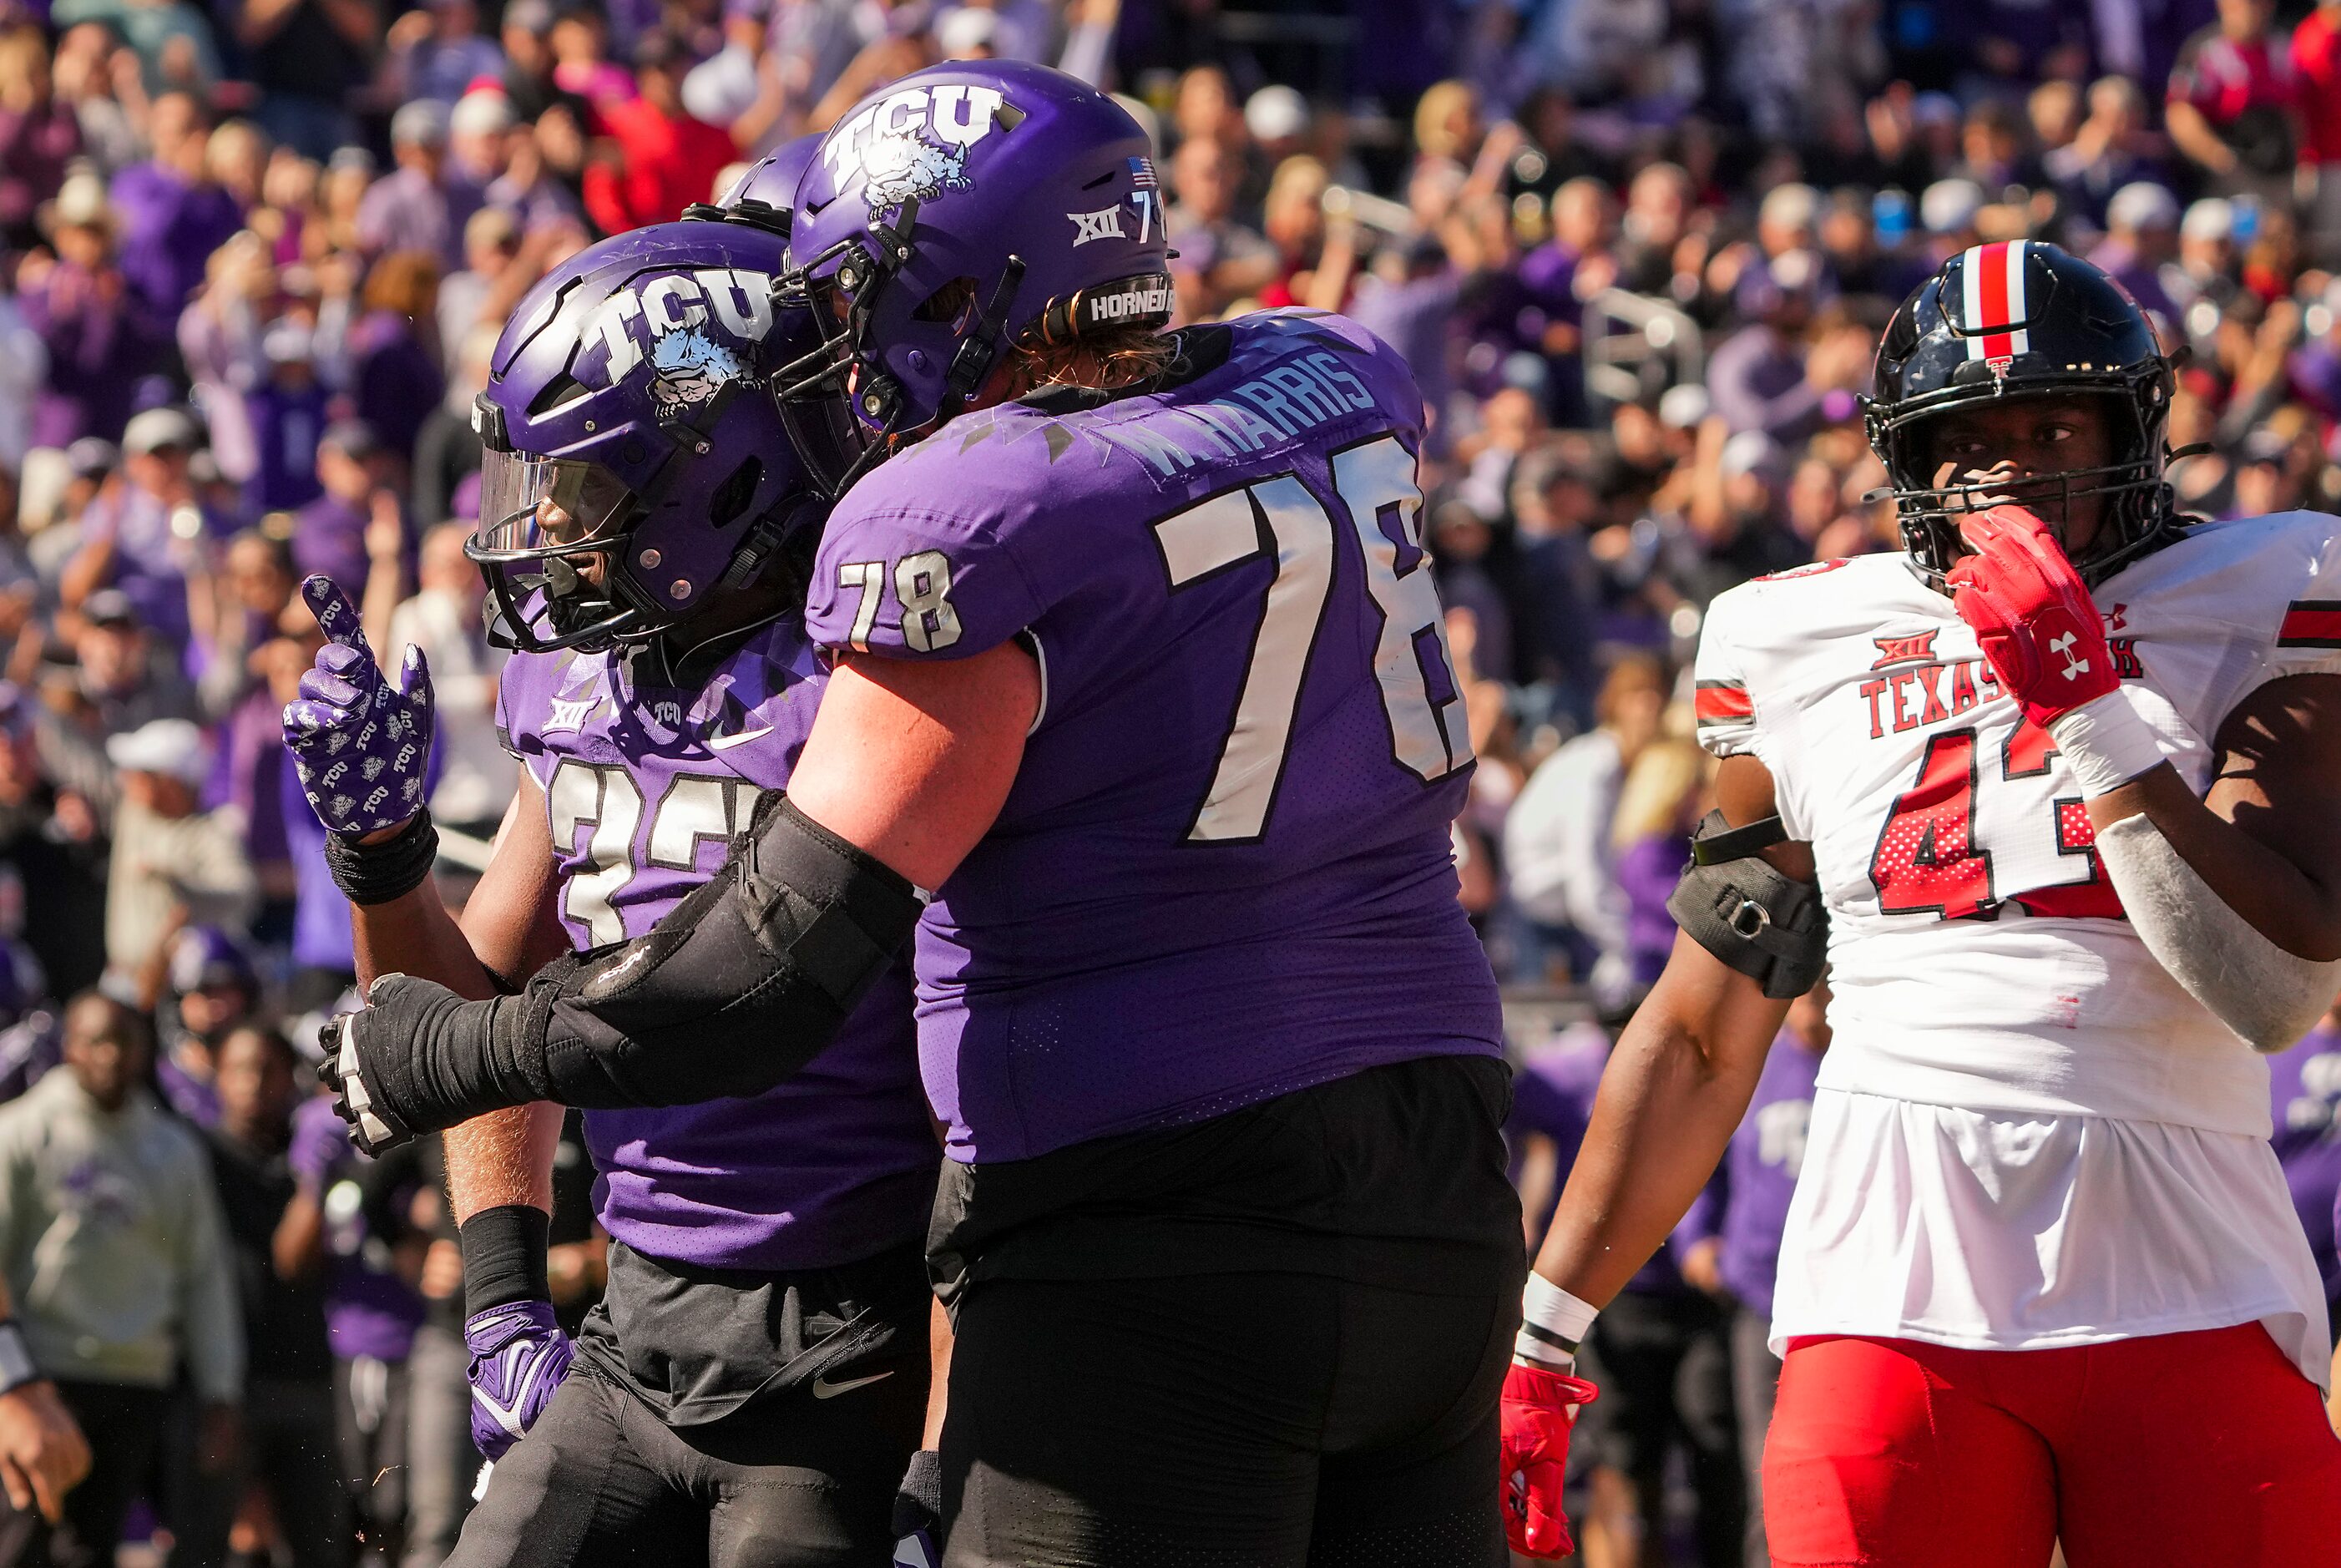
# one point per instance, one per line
(1731, 901)
(743, 983)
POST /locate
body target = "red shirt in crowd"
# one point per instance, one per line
(668, 165)
(2317, 61)
(2223, 78)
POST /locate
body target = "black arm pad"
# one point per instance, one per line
(744, 982)
(1771, 928)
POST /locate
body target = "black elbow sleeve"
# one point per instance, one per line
(1731, 901)
(743, 983)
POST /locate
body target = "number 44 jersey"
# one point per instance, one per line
(1224, 872)
(1978, 953)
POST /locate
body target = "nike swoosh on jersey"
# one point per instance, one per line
(824, 1388)
(725, 742)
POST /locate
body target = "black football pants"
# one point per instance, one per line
(601, 1480)
(1224, 1421)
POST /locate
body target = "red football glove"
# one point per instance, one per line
(1539, 1407)
(2040, 629)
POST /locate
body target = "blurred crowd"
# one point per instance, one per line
(254, 258)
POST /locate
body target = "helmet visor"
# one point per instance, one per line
(536, 507)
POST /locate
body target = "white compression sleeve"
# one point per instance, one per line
(2268, 996)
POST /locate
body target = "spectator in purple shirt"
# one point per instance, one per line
(37, 134)
(1659, 800)
(289, 417)
(393, 349)
(329, 534)
(2304, 1093)
(436, 51)
(211, 986)
(353, 1216)
(2141, 239)
(1555, 278)
(1730, 1239)
(1757, 378)
(148, 540)
(1660, 1351)
(422, 205)
(102, 341)
(174, 214)
(1552, 1096)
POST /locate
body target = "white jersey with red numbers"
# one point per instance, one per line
(2027, 1133)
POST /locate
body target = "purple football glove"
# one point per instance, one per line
(360, 743)
(519, 1356)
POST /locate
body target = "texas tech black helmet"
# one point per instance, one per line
(2024, 319)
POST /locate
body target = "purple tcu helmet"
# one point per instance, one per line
(960, 209)
(771, 182)
(635, 466)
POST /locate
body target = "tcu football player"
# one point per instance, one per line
(754, 1386)
(1138, 667)
(2055, 793)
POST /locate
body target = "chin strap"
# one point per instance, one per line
(980, 350)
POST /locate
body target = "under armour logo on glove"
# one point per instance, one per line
(2074, 668)
(2032, 614)
(350, 713)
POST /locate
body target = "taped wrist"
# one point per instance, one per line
(2105, 745)
(1553, 1324)
(372, 874)
(1732, 902)
(504, 1256)
(422, 1059)
(743, 983)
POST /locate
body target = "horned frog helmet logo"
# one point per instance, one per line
(912, 144)
(691, 369)
(902, 167)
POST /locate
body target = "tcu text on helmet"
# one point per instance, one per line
(741, 301)
(955, 115)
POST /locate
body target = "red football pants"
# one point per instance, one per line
(2202, 1447)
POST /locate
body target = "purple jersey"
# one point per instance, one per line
(645, 789)
(1224, 871)
(2305, 1084)
(1747, 1204)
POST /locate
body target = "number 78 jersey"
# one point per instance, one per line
(1978, 952)
(1225, 869)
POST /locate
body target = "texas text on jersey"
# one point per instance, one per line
(1978, 956)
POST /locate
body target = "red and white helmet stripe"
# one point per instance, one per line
(1992, 278)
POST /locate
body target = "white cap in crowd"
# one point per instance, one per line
(175, 748)
(1949, 206)
(1276, 113)
(2212, 218)
(2142, 205)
